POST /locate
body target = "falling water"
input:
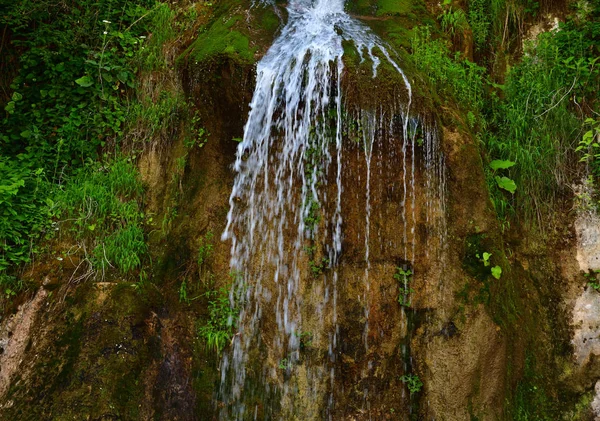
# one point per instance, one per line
(292, 148)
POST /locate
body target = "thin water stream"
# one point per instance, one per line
(283, 198)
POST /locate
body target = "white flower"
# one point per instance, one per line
(105, 33)
(142, 37)
(106, 21)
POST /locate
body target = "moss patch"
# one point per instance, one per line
(222, 39)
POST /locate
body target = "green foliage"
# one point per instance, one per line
(101, 210)
(205, 249)
(199, 136)
(592, 279)
(285, 364)
(496, 272)
(317, 266)
(506, 183)
(485, 258)
(26, 210)
(499, 164)
(75, 69)
(590, 145)
(412, 382)
(530, 400)
(162, 21)
(10, 285)
(306, 339)
(538, 121)
(404, 278)
(453, 19)
(222, 317)
(153, 118)
(480, 21)
(124, 248)
(221, 39)
(450, 75)
(183, 293)
(77, 65)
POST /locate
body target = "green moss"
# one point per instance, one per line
(393, 7)
(269, 21)
(222, 39)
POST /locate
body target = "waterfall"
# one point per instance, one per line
(282, 200)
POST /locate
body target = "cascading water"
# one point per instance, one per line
(288, 191)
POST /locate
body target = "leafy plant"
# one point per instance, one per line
(205, 249)
(590, 144)
(453, 19)
(592, 279)
(26, 211)
(412, 382)
(305, 338)
(101, 211)
(285, 364)
(484, 258)
(404, 277)
(222, 317)
(449, 73)
(183, 297)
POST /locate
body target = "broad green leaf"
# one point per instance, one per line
(497, 272)
(486, 258)
(17, 96)
(85, 81)
(588, 135)
(506, 184)
(498, 164)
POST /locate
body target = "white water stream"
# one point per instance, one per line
(292, 149)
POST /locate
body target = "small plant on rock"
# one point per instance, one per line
(404, 278)
(412, 382)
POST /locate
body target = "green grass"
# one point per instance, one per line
(449, 74)
(99, 208)
(539, 124)
(217, 332)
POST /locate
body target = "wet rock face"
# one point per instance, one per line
(15, 336)
(586, 320)
(587, 226)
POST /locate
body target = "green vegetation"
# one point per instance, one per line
(220, 39)
(217, 332)
(412, 382)
(449, 74)
(590, 145)
(100, 207)
(533, 121)
(404, 278)
(59, 138)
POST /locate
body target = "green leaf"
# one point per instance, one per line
(588, 135)
(17, 96)
(10, 107)
(85, 81)
(486, 258)
(498, 164)
(497, 272)
(506, 184)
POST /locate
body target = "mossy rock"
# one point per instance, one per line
(222, 39)
(94, 361)
(236, 31)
